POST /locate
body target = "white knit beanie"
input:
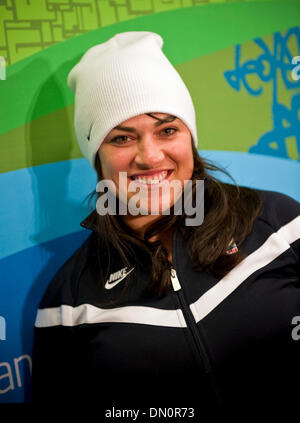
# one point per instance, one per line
(126, 76)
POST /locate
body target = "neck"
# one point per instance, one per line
(139, 225)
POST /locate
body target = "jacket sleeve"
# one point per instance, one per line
(282, 212)
(55, 369)
(55, 363)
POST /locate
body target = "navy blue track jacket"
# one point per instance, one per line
(209, 342)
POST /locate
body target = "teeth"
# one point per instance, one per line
(151, 181)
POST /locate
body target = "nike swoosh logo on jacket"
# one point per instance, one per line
(110, 285)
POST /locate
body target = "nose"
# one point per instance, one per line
(149, 153)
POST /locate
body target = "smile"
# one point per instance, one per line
(154, 178)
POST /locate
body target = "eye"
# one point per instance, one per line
(119, 139)
(170, 129)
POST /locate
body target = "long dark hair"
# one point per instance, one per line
(229, 213)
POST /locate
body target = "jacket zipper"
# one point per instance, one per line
(192, 325)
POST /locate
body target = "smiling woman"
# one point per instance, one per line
(150, 307)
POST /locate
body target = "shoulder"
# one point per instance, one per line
(278, 220)
(278, 209)
(63, 287)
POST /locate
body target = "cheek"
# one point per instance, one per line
(185, 161)
(113, 162)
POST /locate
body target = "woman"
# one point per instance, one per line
(152, 311)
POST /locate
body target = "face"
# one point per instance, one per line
(153, 154)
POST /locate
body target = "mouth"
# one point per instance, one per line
(151, 178)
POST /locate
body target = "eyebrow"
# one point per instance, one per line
(156, 124)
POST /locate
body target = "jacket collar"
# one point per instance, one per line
(90, 221)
